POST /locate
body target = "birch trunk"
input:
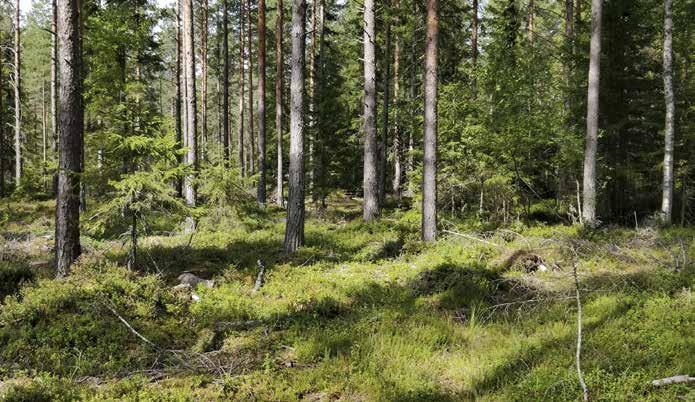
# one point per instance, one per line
(667, 196)
(397, 140)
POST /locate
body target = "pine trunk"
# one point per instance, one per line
(54, 75)
(204, 79)
(294, 229)
(383, 146)
(67, 226)
(2, 137)
(17, 102)
(260, 195)
(249, 47)
(225, 80)
(370, 185)
(279, 26)
(312, 101)
(177, 101)
(191, 115)
(589, 185)
(429, 173)
(667, 197)
(240, 138)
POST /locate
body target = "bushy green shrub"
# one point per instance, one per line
(67, 326)
(12, 276)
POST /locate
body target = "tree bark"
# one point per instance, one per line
(177, 101)
(261, 195)
(397, 140)
(249, 46)
(204, 79)
(589, 185)
(667, 196)
(17, 102)
(191, 107)
(370, 185)
(2, 137)
(531, 22)
(429, 174)
(54, 75)
(294, 229)
(67, 226)
(279, 26)
(383, 162)
(312, 101)
(474, 35)
(225, 80)
(240, 143)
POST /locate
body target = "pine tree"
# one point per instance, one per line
(589, 191)
(370, 179)
(429, 174)
(294, 229)
(67, 226)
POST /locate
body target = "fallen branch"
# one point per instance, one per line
(259, 277)
(676, 379)
(585, 389)
(131, 329)
(237, 325)
(469, 237)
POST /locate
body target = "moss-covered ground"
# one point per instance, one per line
(362, 313)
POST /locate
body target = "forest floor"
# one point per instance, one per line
(362, 313)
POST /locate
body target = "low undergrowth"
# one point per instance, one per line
(363, 312)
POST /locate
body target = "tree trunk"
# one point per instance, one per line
(225, 80)
(429, 173)
(67, 226)
(249, 46)
(44, 134)
(474, 35)
(279, 26)
(17, 102)
(370, 185)
(397, 140)
(2, 136)
(312, 101)
(667, 197)
(385, 123)
(530, 23)
(240, 143)
(191, 117)
(54, 75)
(294, 229)
(474, 48)
(589, 185)
(177, 101)
(204, 79)
(261, 196)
